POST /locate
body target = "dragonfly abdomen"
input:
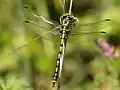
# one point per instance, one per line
(67, 22)
(58, 68)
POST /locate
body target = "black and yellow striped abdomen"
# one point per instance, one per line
(60, 53)
(67, 22)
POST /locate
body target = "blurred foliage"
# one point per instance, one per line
(85, 68)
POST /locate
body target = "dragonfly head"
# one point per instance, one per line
(68, 20)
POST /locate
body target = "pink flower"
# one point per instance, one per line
(107, 49)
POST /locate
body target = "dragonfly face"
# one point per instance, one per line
(66, 18)
(68, 21)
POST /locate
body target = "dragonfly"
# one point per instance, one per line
(63, 29)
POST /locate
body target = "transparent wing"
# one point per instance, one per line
(90, 30)
(79, 35)
(87, 32)
(44, 36)
(93, 23)
(55, 29)
(47, 31)
(97, 27)
(46, 20)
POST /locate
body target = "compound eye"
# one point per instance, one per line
(70, 18)
(64, 17)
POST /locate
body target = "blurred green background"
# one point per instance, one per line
(32, 66)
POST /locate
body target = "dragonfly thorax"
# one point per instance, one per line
(68, 20)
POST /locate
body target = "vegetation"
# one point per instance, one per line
(86, 64)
